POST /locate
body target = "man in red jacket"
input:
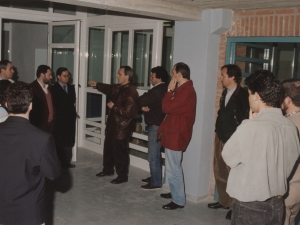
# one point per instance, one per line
(175, 132)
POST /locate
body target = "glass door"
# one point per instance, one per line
(63, 51)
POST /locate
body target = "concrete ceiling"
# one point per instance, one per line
(180, 9)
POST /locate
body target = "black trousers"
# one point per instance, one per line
(64, 154)
(116, 154)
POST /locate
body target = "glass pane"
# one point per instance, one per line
(167, 48)
(248, 67)
(298, 65)
(94, 107)
(63, 57)
(27, 4)
(251, 52)
(119, 56)
(284, 67)
(142, 54)
(93, 129)
(63, 34)
(93, 139)
(5, 45)
(95, 12)
(96, 54)
(64, 8)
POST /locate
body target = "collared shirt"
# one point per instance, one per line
(45, 89)
(261, 154)
(12, 81)
(157, 84)
(228, 95)
(62, 85)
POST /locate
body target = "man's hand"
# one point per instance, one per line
(252, 114)
(145, 109)
(172, 84)
(92, 83)
(110, 105)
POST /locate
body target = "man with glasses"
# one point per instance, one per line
(64, 100)
(42, 113)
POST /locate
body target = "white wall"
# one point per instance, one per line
(196, 46)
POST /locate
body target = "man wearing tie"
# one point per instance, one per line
(64, 99)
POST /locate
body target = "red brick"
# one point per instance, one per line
(291, 27)
(275, 27)
(284, 11)
(297, 24)
(280, 25)
(270, 26)
(251, 26)
(246, 13)
(265, 12)
(261, 26)
(286, 27)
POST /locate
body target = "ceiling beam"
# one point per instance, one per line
(152, 8)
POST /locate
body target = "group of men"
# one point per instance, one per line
(40, 127)
(169, 111)
(257, 148)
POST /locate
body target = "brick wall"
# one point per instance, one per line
(259, 23)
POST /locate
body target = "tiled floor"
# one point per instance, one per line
(84, 199)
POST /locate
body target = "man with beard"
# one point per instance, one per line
(234, 108)
(42, 112)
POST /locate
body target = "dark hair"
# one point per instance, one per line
(42, 69)
(233, 71)
(18, 97)
(60, 70)
(183, 68)
(266, 85)
(291, 88)
(128, 71)
(161, 73)
(3, 86)
(3, 64)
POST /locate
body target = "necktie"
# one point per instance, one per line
(65, 88)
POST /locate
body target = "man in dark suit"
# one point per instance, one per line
(64, 99)
(27, 157)
(42, 113)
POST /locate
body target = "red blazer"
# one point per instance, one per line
(175, 131)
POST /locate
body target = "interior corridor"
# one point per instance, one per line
(82, 198)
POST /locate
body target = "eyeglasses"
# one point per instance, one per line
(65, 76)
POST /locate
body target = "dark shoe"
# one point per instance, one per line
(228, 215)
(215, 205)
(119, 180)
(167, 195)
(103, 174)
(70, 166)
(147, 180)
(172, 206)
(150, 187)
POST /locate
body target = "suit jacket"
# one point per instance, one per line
(40, 112)
(27, 157)
(65, 115)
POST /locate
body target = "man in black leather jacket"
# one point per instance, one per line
(234, 108)
(123, 108)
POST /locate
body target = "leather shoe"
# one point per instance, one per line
(228, 215)
(172, 206)
(103, 174)
(147, 180)
(119, 180)
(70, 166)
(215, 205)
(167, 195)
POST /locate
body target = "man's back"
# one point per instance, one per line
(260, 153)
(27, 156)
